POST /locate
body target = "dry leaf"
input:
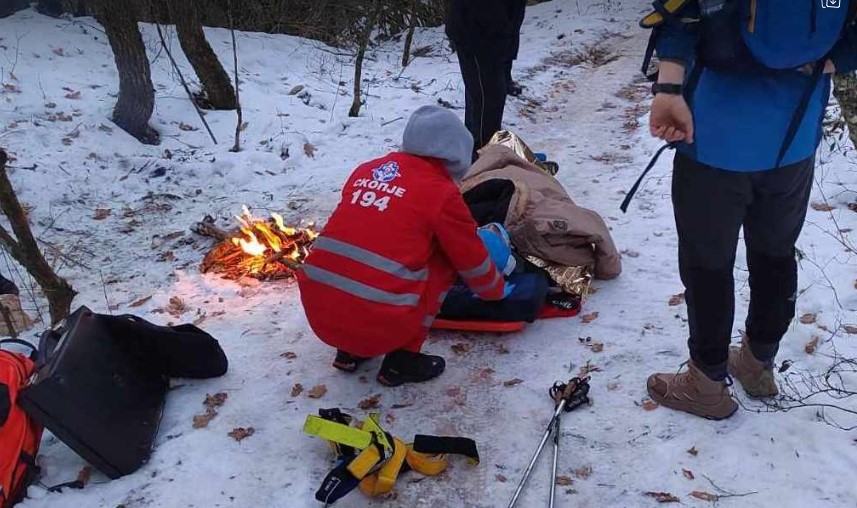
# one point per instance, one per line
(241, 433)
(512, 382)
(808, 319)
(370, 403)
(84, 475)
(688, 474)
(693, 451)
(500, 478)
(59, 51)
(705, 496)
(243, 126)
(390, 418)
(485, 373)
(176, 306)
(612, 385)
(503, 350)
(582, 473)
(200, 421)
(596, 347)
(663, 497)
(188, 128)
(811, 346)
(588, 318)
(9, 87)
(564, 480)
(216, 400)
(649, 405)
(452, 391)
(822, 207)
(309, 150)
(676, 299)
(198, 321)
(141, 301)
(461, 347)
(297, 389)
(851, 330)
(73, 95)
(587, 369)
(402, 405)
(102, 213)
(288, 355)
(317, 391)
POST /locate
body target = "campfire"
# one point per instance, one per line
(263, 249)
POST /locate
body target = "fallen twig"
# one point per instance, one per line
(723, 493)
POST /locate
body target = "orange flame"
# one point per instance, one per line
(263, 239)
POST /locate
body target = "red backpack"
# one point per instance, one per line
(19, 435)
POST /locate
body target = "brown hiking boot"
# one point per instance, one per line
(692, 392)
(755, 376)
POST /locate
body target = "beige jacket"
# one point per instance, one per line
(542, 219)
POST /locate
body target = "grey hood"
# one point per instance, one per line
(433, 131)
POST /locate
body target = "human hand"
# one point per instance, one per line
(671, 119)
(829, 68)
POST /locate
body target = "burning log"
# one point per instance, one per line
(262, 249)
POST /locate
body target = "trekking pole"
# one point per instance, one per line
(567, 397)
(556, 432)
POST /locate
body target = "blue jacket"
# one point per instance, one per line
(740, 121)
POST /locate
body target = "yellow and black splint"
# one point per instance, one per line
(370, 458)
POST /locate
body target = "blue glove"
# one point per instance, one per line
(509, 289)
(497, 245)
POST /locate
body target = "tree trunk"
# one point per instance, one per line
(136, 93)
(214, 79)
(409, 37)
(26, 252)
(845, 91)
(361, 54)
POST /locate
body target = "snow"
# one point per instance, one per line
(583, 114)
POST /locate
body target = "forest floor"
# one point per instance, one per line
(116, 216)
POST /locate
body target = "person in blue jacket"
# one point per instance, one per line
(741, 91)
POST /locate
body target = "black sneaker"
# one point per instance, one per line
(400, 367)
(347, 362)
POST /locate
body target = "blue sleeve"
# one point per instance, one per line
(844, 54)
(677, 41)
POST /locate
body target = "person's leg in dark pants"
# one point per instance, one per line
(710, 205)
(485, 95)
(773, 224)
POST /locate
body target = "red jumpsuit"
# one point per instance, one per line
(377, 275)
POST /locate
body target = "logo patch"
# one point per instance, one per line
(386, 172)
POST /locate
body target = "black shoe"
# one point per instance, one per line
(400, 367)
(513, 89)
(347, 362)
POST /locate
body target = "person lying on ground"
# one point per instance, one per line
(747, 120)
(396, 243)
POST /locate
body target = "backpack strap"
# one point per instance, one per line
(800, 110)
(665, 12)
(34, 351)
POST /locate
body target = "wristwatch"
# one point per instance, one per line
(666, 88)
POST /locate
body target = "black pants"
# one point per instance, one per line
(711, 206)
(484, 95)
(7, 287)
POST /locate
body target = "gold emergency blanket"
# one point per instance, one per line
(574, 280)
(512, 141)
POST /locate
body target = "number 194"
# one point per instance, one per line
(369, 198)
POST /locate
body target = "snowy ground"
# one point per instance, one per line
(584, 103)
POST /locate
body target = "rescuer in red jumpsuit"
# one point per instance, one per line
(396, 243)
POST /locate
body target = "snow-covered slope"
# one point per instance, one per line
(583, 103)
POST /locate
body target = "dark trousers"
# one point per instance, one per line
(711, 206)
(484, 95)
